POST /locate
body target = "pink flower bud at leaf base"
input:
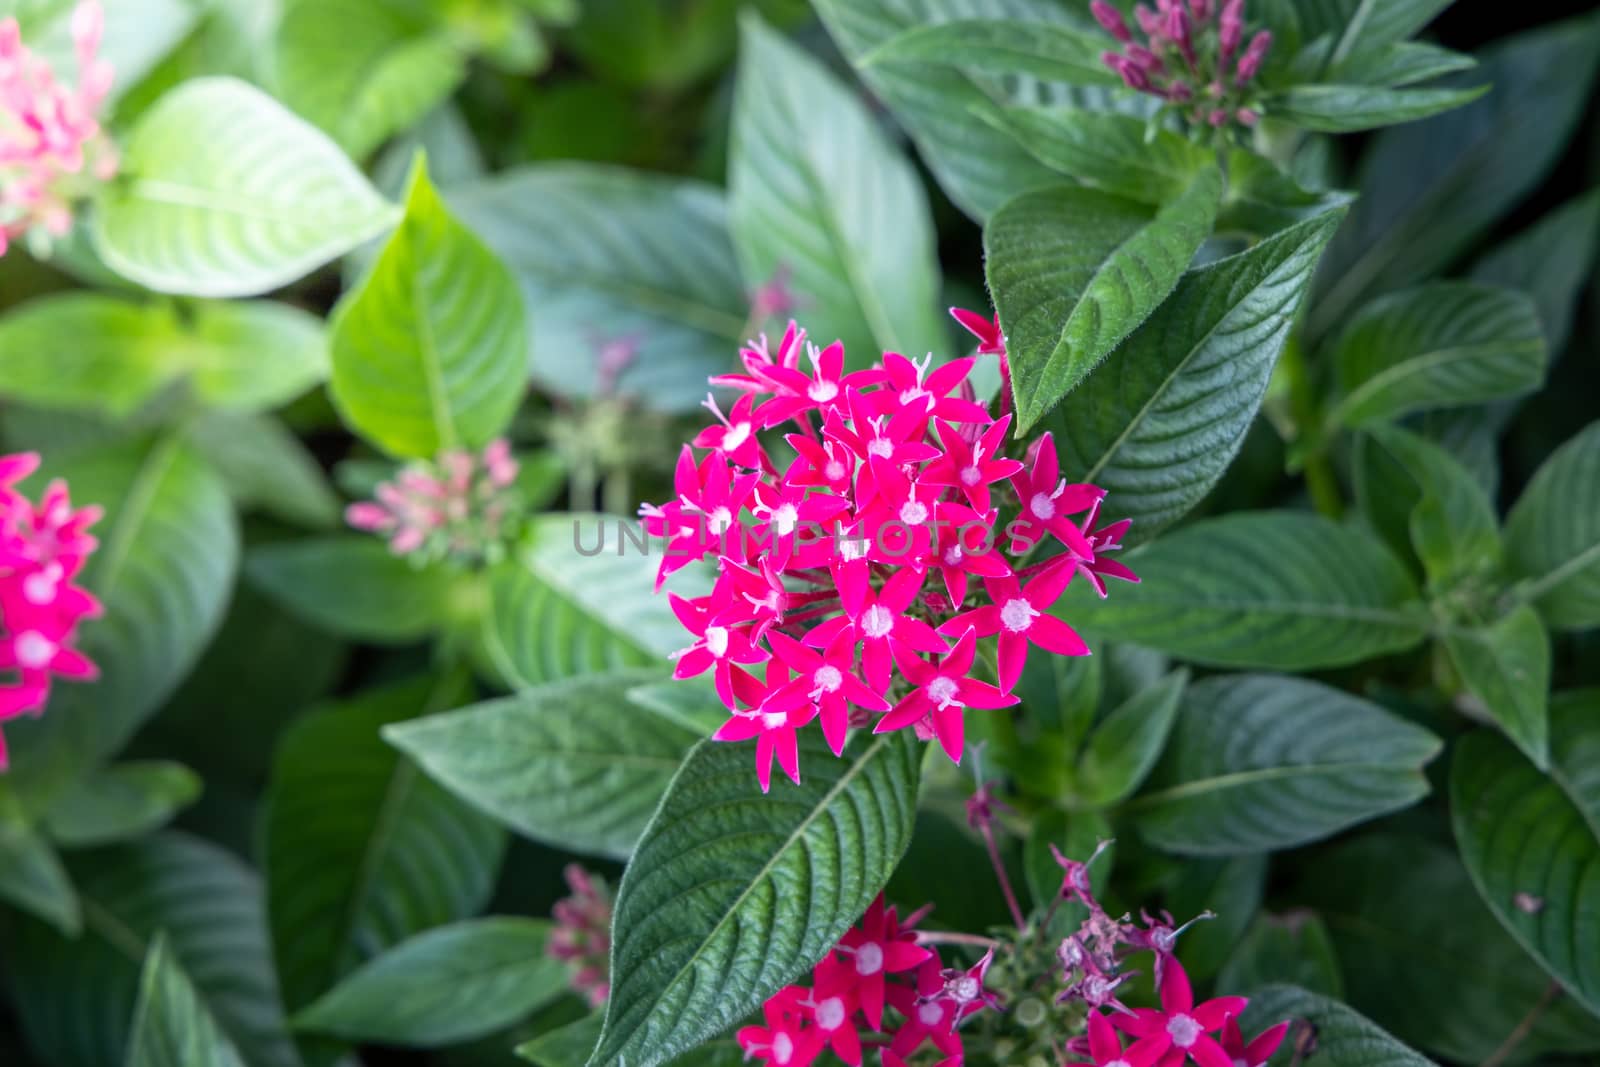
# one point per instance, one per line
(1110, 18)
(1230, 29)
(1250, 62)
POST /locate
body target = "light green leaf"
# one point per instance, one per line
(1262, 762)
(169, 549)
(360, 849)
(354, 586)
(1532, 841)
(1046, 50)
(1157, 425)
(1294, 947)
(1453, 525)
(430, 350)
(1506, 665)
(266, 467)
(577, 764)
(171, 1024)
(731, 893)
(1281, 590)
(1074, 271)
(1343, 1038)
(249, 357)
(1439, 345)
(225, 193)
(1121, 154)
(818, 194)
(568, 1046)
(31, 875)
(1352, 108)
(617, 261)
(1553, 535)
(365, 69)
(1127, 744)
(1403, 63)
(443, 987)
(76, 997)
(124, 801)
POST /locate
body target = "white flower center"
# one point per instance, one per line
(942, 691)
(854, 549)
(971, 475)
(40, 588)
(1125, 1063)
(717, 640)
(1017, 615)
(869, 959)
(736, 436)
(786, 518)
(877, 621)
(909, 395)
(881, 447)
(822, 392)
(720, 520)
(1043, 506)
(930, 1014)
(828, 679)
(782, 1048)
(1184, 1030)
(34, 650)
(834, 471)
(913, 513)
(772, 720)
(953, 555)
(831, 1014)
(967, 988)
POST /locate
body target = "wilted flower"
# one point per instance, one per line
(582, 935)
(462, 507)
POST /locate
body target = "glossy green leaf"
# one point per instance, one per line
(361, 850)
(1160, 421)
(225, 193)
(818, 196)
(75, 998)
(614, 261)
(1074, 271)
(575, 764)
(1127, 744)
(1046, 50)
(732, 893)
(266, 467)
(31, 875)
(171, 1024)
(1453, 525)
(353, 586)
(1353, 108)
(1342, 1037)
(1293, 948)
(1531, 841)
(1261, 762)
(1281, 590)
(1553, 535)
(122, 802)
(443, 987)
(430, 351)
(1506, 665)
(1121, 154)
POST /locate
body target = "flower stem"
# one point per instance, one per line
(1000, 876)
(1524, 1028)
(937, 937)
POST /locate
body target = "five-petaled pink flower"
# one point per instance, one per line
(1182, 1025)
(786, 1041)
(1258, 1051)
(1020, 615)
(941, 693)
(1105, 1047)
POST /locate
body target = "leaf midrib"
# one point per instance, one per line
(167, 191)
(1439, 357)
(1238, 779)
(132, 513)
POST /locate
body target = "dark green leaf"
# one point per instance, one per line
(1549, 261)
(732, 893)
(1294, 947)
(31, 875)
(568, 1046)
(266, 467)
(1231, 890)
(124, 801)
(1122, 154)
(1046, 50)
(1553, 535)
(1261, 762)
(1403, 63)
(353, 586)
(1352, 108)
(1506, 665)
(1453, 526)
(1261, 199)
(171, 1024)
(1074, 271)
(1127, 744)
(1342, 1038)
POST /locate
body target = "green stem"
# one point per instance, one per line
(1305, 410)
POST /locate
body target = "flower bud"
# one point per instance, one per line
(1110, 18)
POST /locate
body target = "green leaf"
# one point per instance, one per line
(575, 764)
(731, 893)
(1428, 192)
(253, 356)
(1531, 841)
(1506, 665)
(1044, 50)
(224, 193)
(171, 1024)
(819, 196)
(31, 875)
(1425, 959)
(1261, 199)
(1231, 889)
(443, 987)
(353, 586)
(1282, 590)
(266, 467)
(430, 350)
(1343, 1038)
(360, 849)
(363, 70)
(1158, 424)
(1262, 762)
(75, 998)
(1127, 744)
(1550, 261)
(121, 802)
(1439, 345)
(617, 260)
(1353, 108)
(1403, 63)
(1367, 25)
(1294, 947)
(1121, 154)
(1074, 271)
(169, 548)
(137, 35)
(1453, 525)
(568, 1046)
(1553, 535)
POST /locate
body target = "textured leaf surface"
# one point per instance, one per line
(430, 351)
(76, 997)
(353, 586)
(1260, 762)
(171, 1024)
(1282, 590)
(1120, 154)
(1453, 526)
(1295, 948)
(360, 849)
(1003, 46)
(1344, 1038)
(1531, 841)
(1158, 423)
(1353, 108)
(817, 195)
(1506, 664)
(575, 764)
(731, 894)
(1440, 345)
(121, 802)
(227, 194)
(1553, 535)
(444, 986)
(1074, 271)
(613, 260)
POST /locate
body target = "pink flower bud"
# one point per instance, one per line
(1230, 29)
(1201, 9)
(1149, 22)
(1248, 116)
(1250, 62)
(1218, 117)
(1146, 60)
(368, 516)
(1110, 18)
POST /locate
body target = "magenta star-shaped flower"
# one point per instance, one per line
(990, 340)
(827, 681)
(942, 692)
(786, 1040)
(772, 727)
(877, 620)
(1020, 615)
(1182, 1025)
(874, 948)
(972, 468)
(1105, 1047)
(1047, 500)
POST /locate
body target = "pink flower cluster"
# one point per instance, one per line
(1190, 57)
(877, 965)
(42, 548)
(51, 146)
(847, 569)
(459, 507)
(582, 934)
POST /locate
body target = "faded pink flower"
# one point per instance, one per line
(462, 507)
(582, 934)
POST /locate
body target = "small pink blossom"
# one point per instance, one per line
(582, 934)
(1186, 59)
(941, 693)
(1258, 1050)
(462, 507)
(1181, 1024)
